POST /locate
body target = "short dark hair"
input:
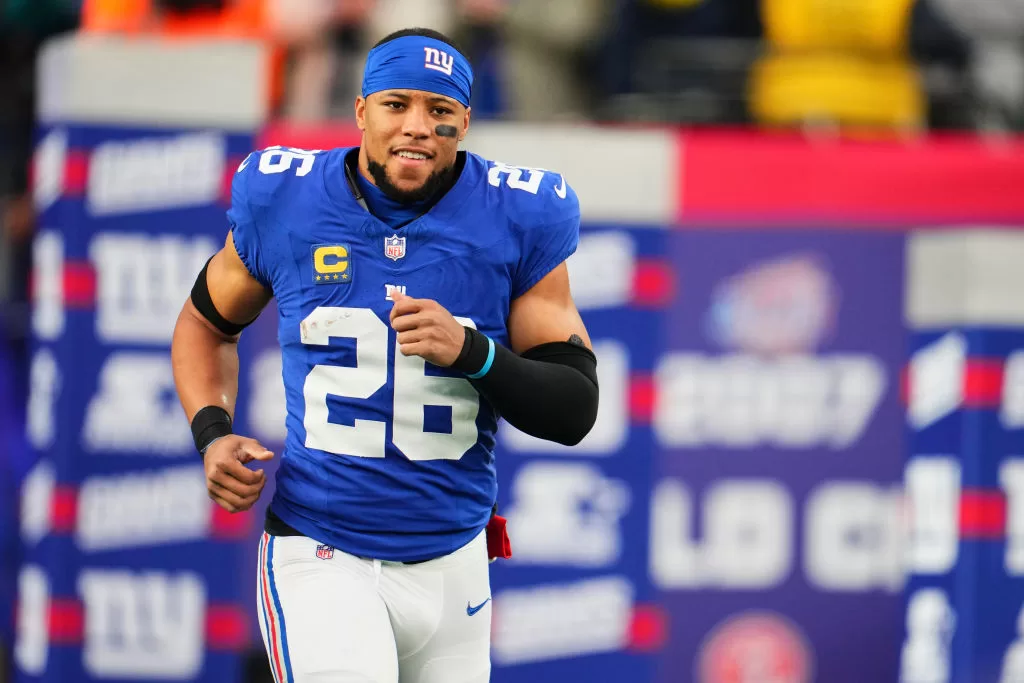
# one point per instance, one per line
(423, 33)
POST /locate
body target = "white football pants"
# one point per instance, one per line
(327, 616)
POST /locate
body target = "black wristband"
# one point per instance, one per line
(474, 352)
(209, 424)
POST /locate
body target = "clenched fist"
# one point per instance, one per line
(229, 482)
(426, 329)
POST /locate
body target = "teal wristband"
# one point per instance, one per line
(487, 364)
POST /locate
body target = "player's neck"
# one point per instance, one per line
(390, 211)
(393, 211)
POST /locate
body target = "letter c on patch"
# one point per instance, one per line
(330, 259)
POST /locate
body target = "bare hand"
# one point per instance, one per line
(426, 329)
(229, 482)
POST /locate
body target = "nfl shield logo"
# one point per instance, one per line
(324, 552)
(394, 247)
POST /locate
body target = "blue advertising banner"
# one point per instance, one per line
(779, 432)
(118, 581)
(965, 486)
(574, 602)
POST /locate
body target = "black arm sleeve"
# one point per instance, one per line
(549, 392)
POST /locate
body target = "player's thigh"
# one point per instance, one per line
(322, 619)
(441, 616)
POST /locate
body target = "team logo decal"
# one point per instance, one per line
(394, 247)
(332, 264)
(438, 61)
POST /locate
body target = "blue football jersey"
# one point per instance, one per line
(389, 456)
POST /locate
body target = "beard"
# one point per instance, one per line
(435, 183)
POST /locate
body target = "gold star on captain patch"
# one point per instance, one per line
(335, 276)
(318, 278)
(345, 276)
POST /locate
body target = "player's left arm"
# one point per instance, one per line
(545, 385)
(546, 313)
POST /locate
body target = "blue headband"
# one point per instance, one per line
(418, 63)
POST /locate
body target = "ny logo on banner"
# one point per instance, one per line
(438, 61)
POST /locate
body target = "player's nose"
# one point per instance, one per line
(416, 124)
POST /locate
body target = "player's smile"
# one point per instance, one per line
(412, 157)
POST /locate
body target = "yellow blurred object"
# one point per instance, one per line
(843, 62)
(838, 88)
(873, 25)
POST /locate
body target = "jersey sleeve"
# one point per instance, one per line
(244, 227)
(549, 237)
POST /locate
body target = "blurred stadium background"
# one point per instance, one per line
(802, 266)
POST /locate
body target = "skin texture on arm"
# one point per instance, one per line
(546, 313)
(205, 360)
(205, 364)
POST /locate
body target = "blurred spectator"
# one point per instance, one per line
(549, 50)
(473, 24)
(679, 61)
(531, 57)
(942, 54)
(320, 37)
(327, 42)
(996, 31)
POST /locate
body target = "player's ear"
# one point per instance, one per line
(361, 112)
(465, 124)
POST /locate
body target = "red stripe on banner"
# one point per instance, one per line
(65, 621)
(642, 398)
(982, 514)
(314, 136)
(226, 627)
(755, 178)
(79, 284)
(983, 383)
(648, 628)
(76, 172)
(226, 525)
(653, 283)
(63, 509)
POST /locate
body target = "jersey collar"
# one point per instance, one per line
(446, 208)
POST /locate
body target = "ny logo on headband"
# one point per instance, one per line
(438, 61)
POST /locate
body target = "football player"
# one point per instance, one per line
(421, 294)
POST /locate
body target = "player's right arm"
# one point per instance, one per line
(204, 355)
